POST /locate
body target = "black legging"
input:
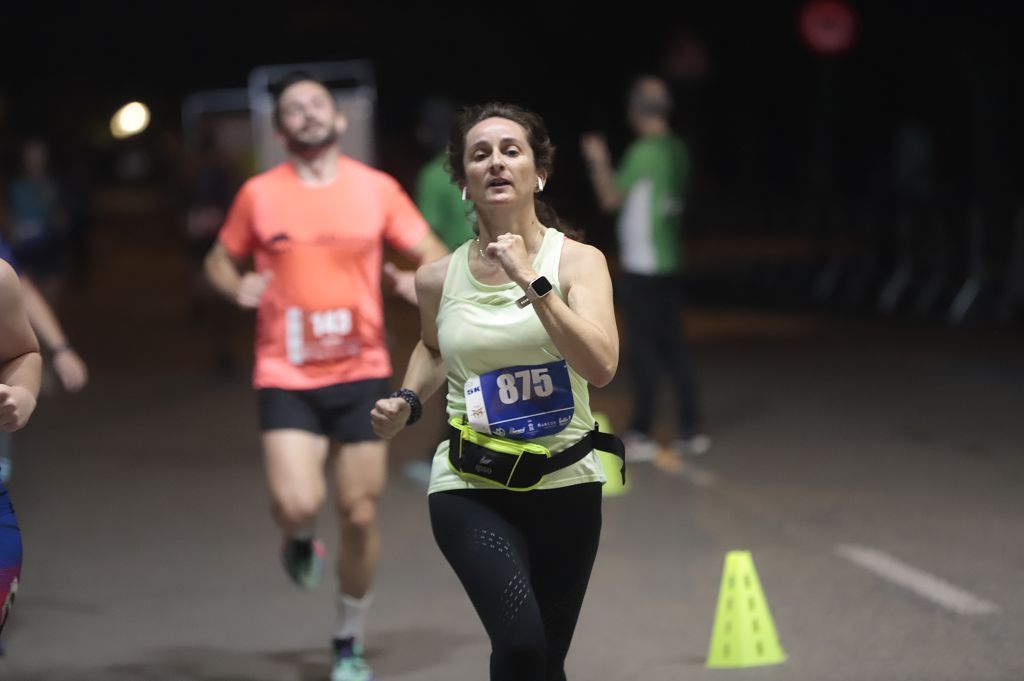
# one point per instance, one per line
(524, 559)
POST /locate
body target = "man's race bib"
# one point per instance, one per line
(321, 336)
(521, 402)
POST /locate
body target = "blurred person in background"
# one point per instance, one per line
(648, 191)
(314, 228)
(36, 220)
(437, 197)
(20, 370)
(440, 201)
(209, 188)
(67, 363)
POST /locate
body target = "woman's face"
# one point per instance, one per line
(499, 163)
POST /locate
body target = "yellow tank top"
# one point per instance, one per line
(480, 329)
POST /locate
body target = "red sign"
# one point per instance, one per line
(829, 27)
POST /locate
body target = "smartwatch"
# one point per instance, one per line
(537, 289)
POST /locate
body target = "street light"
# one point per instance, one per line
(130, 119)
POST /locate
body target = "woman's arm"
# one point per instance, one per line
(426, 370)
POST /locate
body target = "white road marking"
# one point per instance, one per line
(920, 582)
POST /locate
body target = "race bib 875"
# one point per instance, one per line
(520, 402)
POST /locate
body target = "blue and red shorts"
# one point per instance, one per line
(10, 555)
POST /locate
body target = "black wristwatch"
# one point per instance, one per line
(537, 289)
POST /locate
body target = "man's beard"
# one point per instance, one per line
(300, 146)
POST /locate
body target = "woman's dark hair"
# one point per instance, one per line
(536, 136)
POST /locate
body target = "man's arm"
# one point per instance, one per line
(428, 249)
(602, 175)
(69, 365)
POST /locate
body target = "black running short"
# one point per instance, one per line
(340, 411)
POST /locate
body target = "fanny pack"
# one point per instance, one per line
(515, 464)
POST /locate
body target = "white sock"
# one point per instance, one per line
(352, 617)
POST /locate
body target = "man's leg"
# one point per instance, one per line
(360, 473)
(295, 474)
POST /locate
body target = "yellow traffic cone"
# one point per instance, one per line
(744, 633)
(611, 463)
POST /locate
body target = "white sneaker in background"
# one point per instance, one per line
(696, 445)
(639, 447)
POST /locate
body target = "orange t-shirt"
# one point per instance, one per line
(321, 319)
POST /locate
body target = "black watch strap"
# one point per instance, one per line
(413, 400)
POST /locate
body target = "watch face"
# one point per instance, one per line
(541, 286)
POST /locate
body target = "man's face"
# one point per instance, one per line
(649, 98)
(308, 118)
